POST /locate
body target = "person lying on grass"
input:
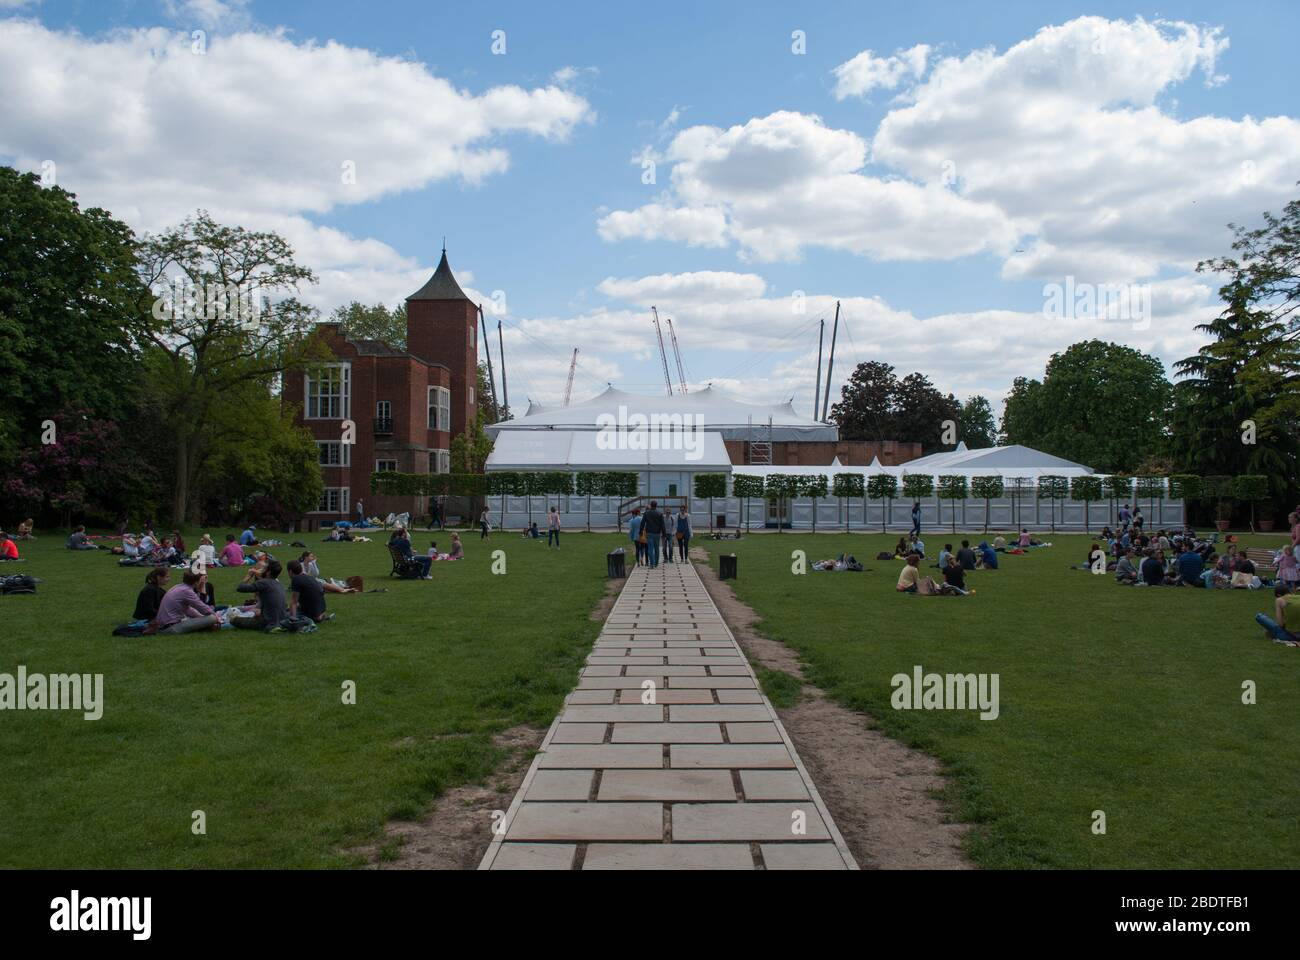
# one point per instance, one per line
(911, 581)
(1283, 629)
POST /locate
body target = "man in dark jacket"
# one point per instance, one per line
(652, 527)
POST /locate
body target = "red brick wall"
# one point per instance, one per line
(820, 453)
(446, 332)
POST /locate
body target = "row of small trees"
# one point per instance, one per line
(779, 488)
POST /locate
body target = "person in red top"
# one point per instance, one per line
(8, 549)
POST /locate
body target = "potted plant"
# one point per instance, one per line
(1219, 488)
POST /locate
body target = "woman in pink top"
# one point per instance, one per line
(1294, 520)
(232, 555)
(1024, 538)
(1288, 571)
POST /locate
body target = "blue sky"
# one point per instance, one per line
(532, 226)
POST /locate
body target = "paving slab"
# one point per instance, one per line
(667, 785)
(667, 777)
(668, 856)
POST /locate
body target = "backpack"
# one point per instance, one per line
(18, 583)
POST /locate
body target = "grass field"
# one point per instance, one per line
(251, 728)
(1120, 699)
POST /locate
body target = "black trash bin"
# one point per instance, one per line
(727, 567)
(616, 564)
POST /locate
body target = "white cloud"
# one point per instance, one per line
(867, 72)
(778, 183)
(259, 130)
(210, 14)
(684, 288)
(1060, 155)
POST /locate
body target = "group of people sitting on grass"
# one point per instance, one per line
(953, 567)
(1184, 559)
(191, 605)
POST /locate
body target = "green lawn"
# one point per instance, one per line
(251, 728)
(1126, 700)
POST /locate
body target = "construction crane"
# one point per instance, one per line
(568, 387)
(677, 354)
(663, 354)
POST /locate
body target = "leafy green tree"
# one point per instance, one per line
(69, 303)
(921, 411)
(877, 405)
(976, 426)
(987, 489)
(1252, 488)
(780, 487)
(846, 486)
(1101, 404)
(1052, 487)
(883, 486)
(1086, 490)
(747, 487)
(1235, 406)
(710, 485)
(225, 328)
(953, 487)
(815, 486)
(375, 322)
(470, 450)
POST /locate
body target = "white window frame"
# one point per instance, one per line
(441, 461)
(343, 397)
(440, 409)
(380, 469)
(383, 409)
(345, 453)
(343, 498)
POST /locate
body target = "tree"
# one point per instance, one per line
(814, 485)
(1251, 488)
(1052, 487)
(1118, 488)
(69, 303)
(953, 487)
(1152, 488)
(865, 410)
(987, 489)
(883, 486)
(1087, 491)
(1073, 412)
(588, 483)
(470, 450)
(975, 424)
(921, 411)
(212, 336)
(1219, 488)
(1235, 406)
(918, 486)
(779, 487)
(377, 322)
(877, 405)
(847, 486)
(710, 485)
(747, 487)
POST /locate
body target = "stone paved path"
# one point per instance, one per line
(703, 776)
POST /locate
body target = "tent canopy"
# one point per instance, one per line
(582, 450)
(719, 411)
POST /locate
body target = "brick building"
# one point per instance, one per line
(404, 406)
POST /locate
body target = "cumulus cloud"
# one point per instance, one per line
(778, 183)
(258, 129)
(867, 72)
(1057, 155)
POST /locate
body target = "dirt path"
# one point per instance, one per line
(880, 792)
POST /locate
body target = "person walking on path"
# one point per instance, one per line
(483, 522)
(916, 518)
(553, 528)
(634, 532)
(653, 528)
(684, 532)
